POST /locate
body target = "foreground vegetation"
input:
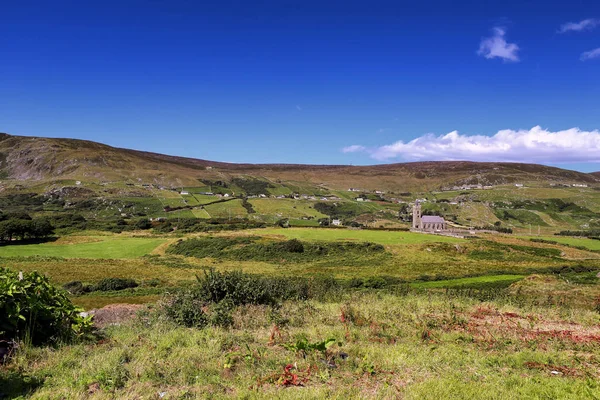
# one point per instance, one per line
(345, 344)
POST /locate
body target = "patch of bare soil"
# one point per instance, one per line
(114, 314)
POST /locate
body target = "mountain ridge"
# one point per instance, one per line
(29, 158)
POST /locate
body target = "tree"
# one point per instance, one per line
(41, 228)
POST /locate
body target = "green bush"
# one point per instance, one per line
(32, 309)
(186, 308)
(293, 246)
(76, 288)
(108, 284)
(374, 282)
(254, 248)
(217, 294)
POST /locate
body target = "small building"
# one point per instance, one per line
(336, 222)
(184, 192)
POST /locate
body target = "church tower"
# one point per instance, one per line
(416, 215)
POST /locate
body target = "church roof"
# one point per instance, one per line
(432, 219)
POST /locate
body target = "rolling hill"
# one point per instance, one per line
(34, 159)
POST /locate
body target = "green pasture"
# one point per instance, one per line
(232, 208)
(590, 244)
(382, 237)
(104, 247)
(286, 208)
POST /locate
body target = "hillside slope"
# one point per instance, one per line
(45, 159)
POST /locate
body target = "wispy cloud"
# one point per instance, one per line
(534, 145)
(497, 47)
(589, 55)
(353, 149)
(584, 25)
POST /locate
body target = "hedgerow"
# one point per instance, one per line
(215, 295)
(253, 248)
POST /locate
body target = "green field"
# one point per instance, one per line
(286, 208)
(382, 237)
(102, 247)
(226, 209)
(590, 244)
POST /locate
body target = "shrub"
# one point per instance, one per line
(215, 296)
(76, 288)
(186, 308)
(250, 248)
(293, 246)
(235, 287)
(374, 282)
(355, 283)
(108, 284)
(33, 309)
(143, 223)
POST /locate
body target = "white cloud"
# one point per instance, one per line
(353, 149)
(535, 145)
(497, 47)
(585, 25)
(589, 55)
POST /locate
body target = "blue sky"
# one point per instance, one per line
(305, 82)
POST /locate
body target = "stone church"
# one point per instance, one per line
(430, 223)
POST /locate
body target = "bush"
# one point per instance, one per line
(186, 308)
(215, 296)
(108, 284)
(252, 248)
(143, 223)
(293, 246)
(375, 282)
(76, 288)
(34, 310)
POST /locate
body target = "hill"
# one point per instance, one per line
(45, 176)
(43, 159)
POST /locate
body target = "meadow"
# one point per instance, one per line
(395, 314)
(100, 247)
(381, 237)
(425, 261)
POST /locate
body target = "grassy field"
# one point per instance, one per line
(382, 237)
(287, 208)
(94, 247)
(232, 208)
(590, 244)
